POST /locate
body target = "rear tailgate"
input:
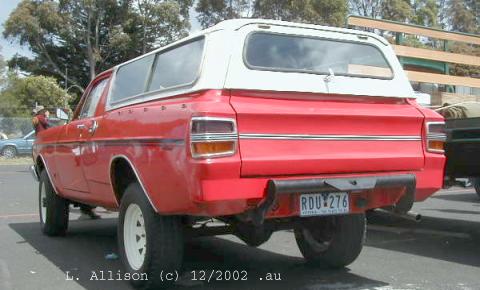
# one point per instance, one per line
(291, 134)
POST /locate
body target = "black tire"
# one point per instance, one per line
(252, 236)
(476, 185)
(55, 222)
(9, 152)
(164, 241)
(332, 241)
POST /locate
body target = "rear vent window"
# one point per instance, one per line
(131, 79)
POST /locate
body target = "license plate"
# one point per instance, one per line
(324, 203)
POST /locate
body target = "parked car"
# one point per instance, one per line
(462, 150)
(13, 147)
(263, 125)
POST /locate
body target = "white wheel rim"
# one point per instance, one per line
(43, 203)
(134, 236)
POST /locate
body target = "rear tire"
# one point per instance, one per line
(149, 243)
(53, 209)
(331, 241)
(476, 185)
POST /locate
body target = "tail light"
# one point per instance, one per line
(212, 137)
(436, 137)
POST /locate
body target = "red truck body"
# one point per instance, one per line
(276, 134)
(176, 183)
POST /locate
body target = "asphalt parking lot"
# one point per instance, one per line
(440, 252)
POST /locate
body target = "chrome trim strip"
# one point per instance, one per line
(211, 137)
(330, 137)
(441, 137)
(136, 174)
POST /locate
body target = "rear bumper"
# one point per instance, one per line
(277, 197)
(350, 184)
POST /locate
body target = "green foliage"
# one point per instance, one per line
(367, 8)
(326, 12)
(425, 13)
(463, 15)
(210, 12)
(87, 37)
(397, 10)
(3, 70)
(21, 95)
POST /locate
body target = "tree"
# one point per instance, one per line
(21, 95)
(159, 22)
(3, 70)
(397, 10)
(425, 13)
(210, 12)
(87, 37)
(461, 15)
(367, 8)
(326, 12)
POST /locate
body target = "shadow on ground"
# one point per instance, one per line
(83, 250)
(450, 240)
(462, 197)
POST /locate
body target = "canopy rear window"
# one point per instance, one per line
(292, 53)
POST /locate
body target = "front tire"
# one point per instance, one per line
(149, 243)
(53, 209)
(9, 152)
(331, 241)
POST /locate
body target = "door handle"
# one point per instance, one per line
(94, 127)
(81, 126)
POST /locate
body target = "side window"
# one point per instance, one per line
(131, 79)
(90, 104)
(178, 66)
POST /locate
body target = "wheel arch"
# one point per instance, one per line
(40, 165)
(13, 145)
(122, 173)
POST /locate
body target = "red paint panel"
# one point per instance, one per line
(325, 116)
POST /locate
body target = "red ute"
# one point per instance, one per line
(263, 125)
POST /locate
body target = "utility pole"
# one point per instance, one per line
(66, 76)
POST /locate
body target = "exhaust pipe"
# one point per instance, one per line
(410, 215)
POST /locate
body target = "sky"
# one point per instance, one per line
(9, 48)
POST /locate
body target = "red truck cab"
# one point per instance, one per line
(263, 125)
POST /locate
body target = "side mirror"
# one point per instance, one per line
(61, 114)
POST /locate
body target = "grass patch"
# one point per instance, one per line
(23, 160)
